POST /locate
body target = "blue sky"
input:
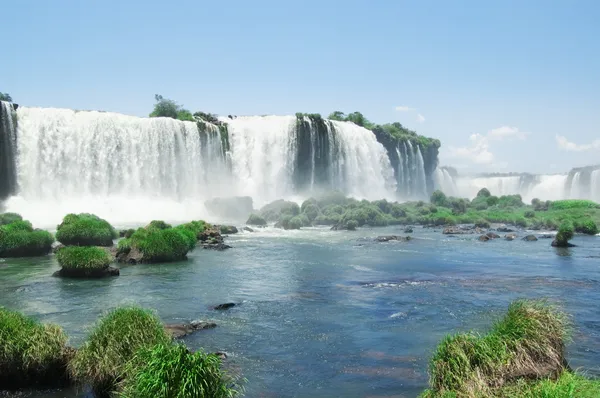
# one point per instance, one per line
(505, 85)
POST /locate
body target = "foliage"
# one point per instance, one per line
(275, 210)
(484, 193)
(173, 371)
(521, 222)
(85, 230)
(255, 219)
(207, 117)
(530, 339)
(158, 224)
(565, 233)
(168, 108)
(114, 341)
(351, 225)
(295, 223)
(481, 223)
(529, 214)
(5, 97)
(81, 257)
(510, 201)
(196, 227)
(30, 353)
(7, 218)
(161, 245)
(19, 239)
(311, 211)
(568, 385)
(574, 204)
(438, 198)
(588, 227)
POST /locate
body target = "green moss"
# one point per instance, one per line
(255, 219)
(565, 234)
(19, 239)
(80, 258)
(7, 218)
(31, 354)
(158, 224)
(173, 371)
(528, 341)
(114, 341)
(85, 230)
(160, 245)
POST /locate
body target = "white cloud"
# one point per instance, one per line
(565, 144)
(420, 118)
(402, 108)
(478, 151)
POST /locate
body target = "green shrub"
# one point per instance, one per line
(529, 339)
(565, 233)
(328, 219)
(568, 385)
(481, 223)
(85, 230)
(8, 218)
(383, 205)
(81, 257)
(173, 371)
(439, 198)
(521, 222)
(397, 211)
(160, 245)
(510, 201)
(529, 214)
(574, 204)
(351, 225)
(19, 239)
(294, 223)
(275, 210)
(159, 224)
(588, 227)
(196, 227)
(311, 211)
(492, 200)
(366, 214)
(116, 338)
(128, 233)
(255, 219)
(31, 354)
(484, 193)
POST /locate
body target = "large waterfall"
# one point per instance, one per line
(8, 143)
(131, 169)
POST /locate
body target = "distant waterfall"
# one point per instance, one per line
(595, 185)
(8, 144)
(410, 172)
(445, 182)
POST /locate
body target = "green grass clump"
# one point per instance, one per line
(85, 230)
(83, 258)
(173, 371)
(568, 385)
(31, 353)
(7, 218)
(159, 224)
(573, 204)
(160, 245)
(19, 239)
(588, 227)
(277, 209)
(116, 338)
(255, 219)
(565, 233)
(528, 342)
(197, 227)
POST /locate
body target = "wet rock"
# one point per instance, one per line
(492, 235)
(224, 306)
(456, 231)
(530, 238)
(178, 330)
(484, 238)
(131, 256)
(504, 228)
(511, 236)
(87, 273)
(567, 244)
(228, 229)
(222, 355)
(545, 236)
(218, 246)
(247, 229)
(387, 238)
(408, 230)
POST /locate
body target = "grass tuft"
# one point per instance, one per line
(101, 361)
(173, 371)
(83, 258)
(161, 245)
(19, 239)
(85, 230)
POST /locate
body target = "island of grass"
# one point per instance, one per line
(159, 243)
(523, 355)
(101, 361)
(31, 354)
(85, 230)
(85, 262)
(19, 239)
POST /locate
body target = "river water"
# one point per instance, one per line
(329, 313)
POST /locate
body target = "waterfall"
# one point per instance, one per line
(445, 182)
(548, 187)
(422, 181)
(575, 188)
(595, 185)
(8, 142)
(411, 178)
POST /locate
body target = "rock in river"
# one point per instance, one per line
(178, 330)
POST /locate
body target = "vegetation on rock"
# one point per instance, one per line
(115, 340)
(255, 219)
(19, 239)
(85, 230)
(7, 218)
(31, 353)
(168, 108)
(5, 97)
(83, 261)
(171, 370)
(564, 235)
(161, 245)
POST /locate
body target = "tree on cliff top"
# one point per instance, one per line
(168, 108)
(5, 97)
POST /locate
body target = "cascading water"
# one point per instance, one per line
(411, 177)
(444, 181)
(575, 189)
(595, 185)
(8, 142)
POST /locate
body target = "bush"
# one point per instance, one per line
(588, 227)
(83, 258)
(102, 359)
(311, 211)
(438, 198)
(529, 214)
(8, 218)
(365, 214)
(527, 343)
(481, 223)
(567, 385)
(275, 210)
(574, 204)
(85, 230)
(510, 201)
(160, 245)
(31, 354)
(294, 223)
(565, 233)
(492, 200)
(173, 371)
(196, 227)
(484, 193)
(158, 224)
(128, 233)
(521, 222)
(351, 225)
(19, 239)
(255, 219)
(328, 219)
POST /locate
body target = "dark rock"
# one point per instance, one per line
(248, 229)
(545, 236)
(455, 231)
(225, 306)
(484, 238)
(131, 256)
(408, 230)
(219, 246)
(530, 238)
(87, 273)
(179, 330)
(556, 244)
(492, 235)
(228, 229)
(222, 355)
(504, 228)
(388, 238)
(511, 236)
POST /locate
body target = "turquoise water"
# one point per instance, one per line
(329, 313)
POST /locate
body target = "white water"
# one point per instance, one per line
(595, 183)
(549, 187)
(422, 181)
(575, 191)
(445, 182)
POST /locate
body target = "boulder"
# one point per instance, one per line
(567, 244)
(530, 238)
(228, 229)
(456, 231)
(408, 230)
(87, 273)
(219, 246)
(511, 236)
(387, 238)
(545, 236)
(484, 238)
(247, 229)
(504, 228)
(178, 330)
(492, 235)
(224, 306)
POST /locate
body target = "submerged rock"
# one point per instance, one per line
(484, 238)
(530, 238)
(455, 231)
(224, 306)
(512, 236)
(387, 238)
(545, 236)
(87, 273)
(566, 244)
(492, 235)
(247, 229)
(228, 229)
(504, 228)
(408, 230)
(218, 246)
(178, 330)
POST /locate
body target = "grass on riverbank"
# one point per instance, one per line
(162, 245)
(19, 239)
(83, 258)
(525, 346)
(31, 353)
(85, 230)
(101, 361)
(173, 371)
